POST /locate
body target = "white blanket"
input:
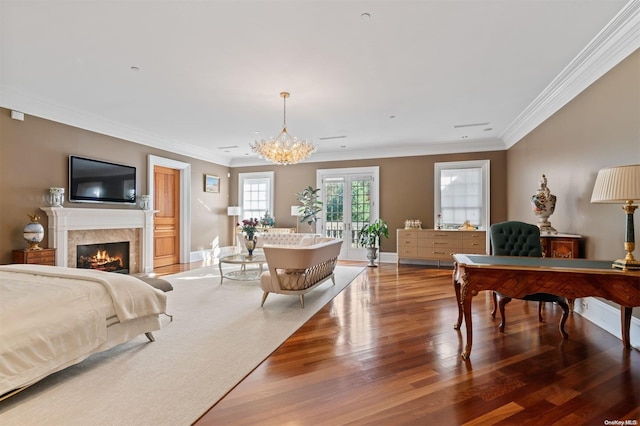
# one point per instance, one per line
(131, 296)
(50, 316)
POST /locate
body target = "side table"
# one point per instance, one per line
(45, 256)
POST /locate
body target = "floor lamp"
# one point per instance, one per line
(235, 212)
(295, 211)
(621, 185)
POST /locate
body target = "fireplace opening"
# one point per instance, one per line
(109, 257)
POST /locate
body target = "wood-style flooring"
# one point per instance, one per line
(384, 352)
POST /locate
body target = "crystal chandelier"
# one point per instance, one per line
(283, 149)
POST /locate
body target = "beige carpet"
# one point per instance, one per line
(219, 334)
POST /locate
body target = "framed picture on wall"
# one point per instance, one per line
(211, 183)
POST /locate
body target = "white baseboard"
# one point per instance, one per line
(607, 317)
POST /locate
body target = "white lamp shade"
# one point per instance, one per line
(295, 211)
(233, 211)
(617, 185)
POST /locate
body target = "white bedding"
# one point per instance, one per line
(50, 316)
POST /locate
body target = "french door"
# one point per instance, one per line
(350, 200)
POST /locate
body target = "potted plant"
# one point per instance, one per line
(370, 237)
(310, 206)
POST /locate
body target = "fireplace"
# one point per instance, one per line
(109, 257)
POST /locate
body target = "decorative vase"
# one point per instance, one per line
(372, 256)
(250, 242)
(56, 197)
(543, 204)
(33, 233)
(145, 202)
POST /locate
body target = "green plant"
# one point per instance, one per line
(310, 205)
(372, 233)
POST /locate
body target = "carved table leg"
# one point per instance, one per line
(456, 287)
(625, 317)
(465, 297)
(467, 322)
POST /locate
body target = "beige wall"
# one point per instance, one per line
(34, 156)
(599, 128)
(406, 187)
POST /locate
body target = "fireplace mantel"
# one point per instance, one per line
(62, 220)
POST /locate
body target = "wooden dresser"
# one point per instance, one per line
(40, 257)
(561, 245)
(433, 244)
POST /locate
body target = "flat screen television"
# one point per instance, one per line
(95, 181)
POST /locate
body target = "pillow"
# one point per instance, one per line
(307, 240)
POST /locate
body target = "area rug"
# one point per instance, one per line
(219, 335)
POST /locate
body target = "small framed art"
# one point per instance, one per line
(211, 183)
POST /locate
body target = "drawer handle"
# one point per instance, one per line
(439, 252)
(440, 242)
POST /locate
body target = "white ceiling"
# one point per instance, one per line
(398, 83)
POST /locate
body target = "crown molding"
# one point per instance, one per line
(619, 39)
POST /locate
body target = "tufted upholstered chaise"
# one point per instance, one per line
(515, 238)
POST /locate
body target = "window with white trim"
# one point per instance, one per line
(462, 193)
(255, 193)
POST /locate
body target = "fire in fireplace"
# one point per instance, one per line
(109, 257)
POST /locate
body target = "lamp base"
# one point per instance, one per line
(626, 264)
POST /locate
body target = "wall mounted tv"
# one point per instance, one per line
(95, 181)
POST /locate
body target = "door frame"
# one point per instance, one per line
(185, 199)
(345, 253)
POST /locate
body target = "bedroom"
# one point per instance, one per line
(596, 129)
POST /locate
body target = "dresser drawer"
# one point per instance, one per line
(38, 257)
(407, 234)
(407, 241)
(476, 246)
(443, 235)
(407, 251)
(432, 253)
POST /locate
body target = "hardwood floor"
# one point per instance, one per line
(384, 352)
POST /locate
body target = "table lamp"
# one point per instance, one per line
(235, 212)
(621, 185)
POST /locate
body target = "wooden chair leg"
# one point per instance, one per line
(565, 315)
(302, 300)
(503, 301)
(264, 297)
(540, 312)
(495, 304)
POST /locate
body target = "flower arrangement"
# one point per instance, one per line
(249, 227)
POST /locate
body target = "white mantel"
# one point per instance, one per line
(62, 220)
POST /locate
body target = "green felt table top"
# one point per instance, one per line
(533, 262)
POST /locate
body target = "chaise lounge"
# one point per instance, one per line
(298, 269)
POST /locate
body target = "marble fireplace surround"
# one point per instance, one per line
(69, 227)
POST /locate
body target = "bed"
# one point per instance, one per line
(54, 317)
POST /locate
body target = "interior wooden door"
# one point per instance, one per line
(166, 224)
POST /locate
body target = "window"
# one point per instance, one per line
(255, 192)
(462, 193)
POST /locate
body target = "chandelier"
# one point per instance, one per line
(283, 149)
